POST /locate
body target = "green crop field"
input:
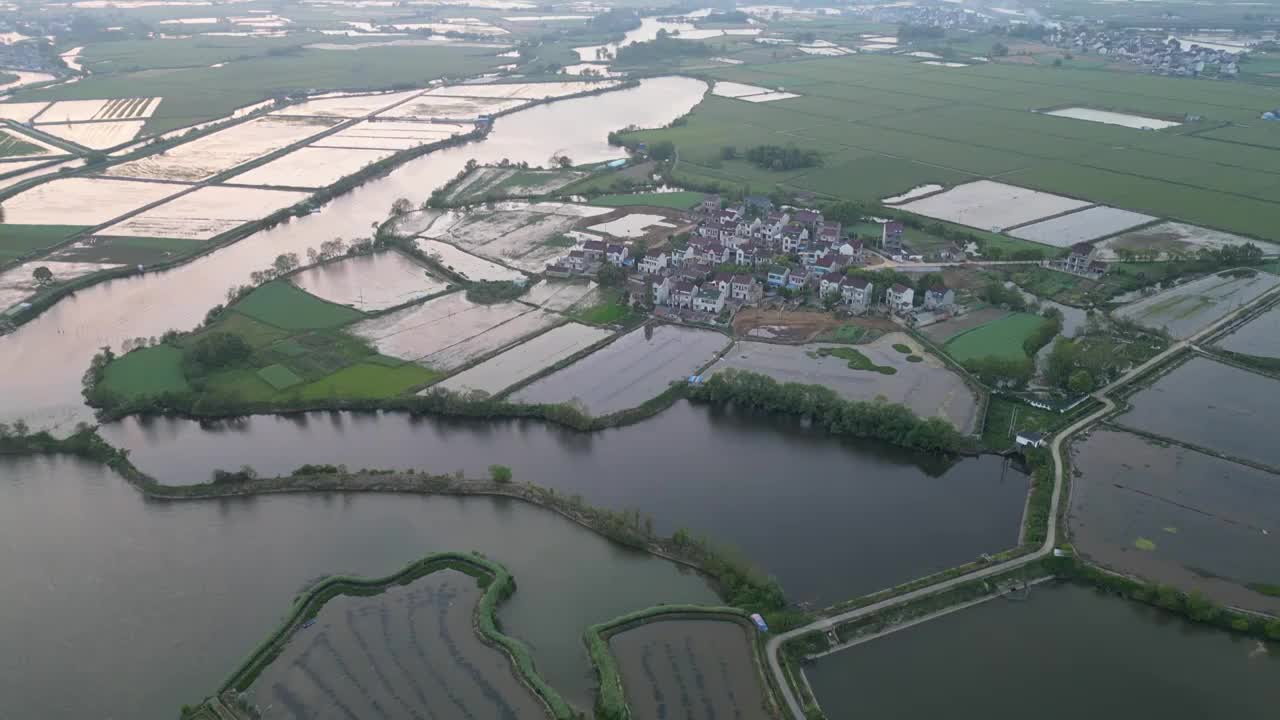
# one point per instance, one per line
(370, 380)
(675, 200)
(279, 376)
(19, 240)
(999, 338)
(14, 145)
(886, 124)
(149, 371)
(132, 250)
(194, 92)
(285, 306)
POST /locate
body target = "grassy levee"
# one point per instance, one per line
(611, 701)
(498, 585)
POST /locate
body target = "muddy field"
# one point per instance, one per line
(795, 326)
(311, 167)
(411, 651)
(207, 156)
(690, 669)
(370, 282)
(1169, 237)
(465, 264)
(928, 387)
(626, 373)
(560, 295)
(991, 205)
(526, 359)
(1211, 405)
(1186, 309)
(391, 135)
(517, 235)
(440, 107)
(523, 91)
(17, 283)
(346, 106)
(206, 212)
(96, 135)
(83, 201)
(1176, 516)
(450, 331)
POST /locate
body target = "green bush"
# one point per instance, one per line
(904, 349)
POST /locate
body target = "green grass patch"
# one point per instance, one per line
(682, 200)
(559, 241)
(1007, 417)
(611, 310)
(1265, 588)
(1144, 544)
(851, 334)
(372, 379)
(914, 358)
(856, 360)
(999, 338)
(904, 349)
(133, 251)
(19, 240)
(282, 304)
(279, 377)
(257, 334)
(14, 145)
(149, 371)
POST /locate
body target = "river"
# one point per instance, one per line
(46, 357)
(121, 608)
(831, 520)
(1063, 654)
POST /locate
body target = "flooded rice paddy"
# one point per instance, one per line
(690, 668)
(143, 606)
(1176, 516)
(526, 360)
(1260, 336)
(793, 501)
(45, 358)
(1186, 309)
(411, 651)
(1211, 405)
(1062, 654)
(371, 282)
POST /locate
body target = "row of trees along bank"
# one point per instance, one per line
(889, 422)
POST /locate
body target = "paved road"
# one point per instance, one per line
(1051, 537)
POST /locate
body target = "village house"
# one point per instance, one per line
(708, 300)
(852, 251)
(809, 218)
(748, 254)
(951, 253)
(797, 278)
(827, 264)
(891, 237)
(900, 298)
(593, 250)
(661, 290)
(856, 293)
(770, 230)
(696, 272)
(745, 289)
(1028, 438)
(1079, 258)
(939, 298)
(616, 254)
(654, 260)
(792, 236)
(576, 261)
(720, 281)
(681, 294)
(778, 276)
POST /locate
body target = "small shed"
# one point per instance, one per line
(1028, 438)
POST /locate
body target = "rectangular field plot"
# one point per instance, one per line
(65, 111)
(370, 282)
(83, 201)
(449, 331)
(1002, 338)
(347, 106)
(928, 387)
(526, 359)
(96, 135)
(1171, 237)
(1081, 226)
(1113, 118)
(465, 264)
(1176, 516)
(442, 107)
(524, 91)
(311, 167)
(558, 295)
(391, 135)
(1187, 309)
(1260, 336)
(1211, 405)
(17, 283)
(685, 668)
(15, 144)
(206, 212)
(205, 157)
(518, 237)
(411, 651)
(630, 371)
(21, 112)
(991, 205)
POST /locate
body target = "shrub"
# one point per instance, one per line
(500, 473)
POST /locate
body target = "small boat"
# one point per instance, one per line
(308, 623)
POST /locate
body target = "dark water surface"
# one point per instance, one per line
(1067, 653)
(119, 608)
(830, 520)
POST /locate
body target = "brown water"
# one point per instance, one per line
(1064, 654)
(44, 359)
(689, 669)
(120, 608)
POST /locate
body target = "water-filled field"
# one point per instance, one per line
(1186, 309)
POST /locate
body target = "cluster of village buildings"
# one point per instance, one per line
(1156, 53)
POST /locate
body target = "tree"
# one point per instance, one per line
(926, 282)
(286, 262)
(611, 276)
(42, 275)
(728, 152)
(401, 206)
(20, 428)
(1080, 382)
(501, 474)
(999, 50)
(664, 150)
(564, 161)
